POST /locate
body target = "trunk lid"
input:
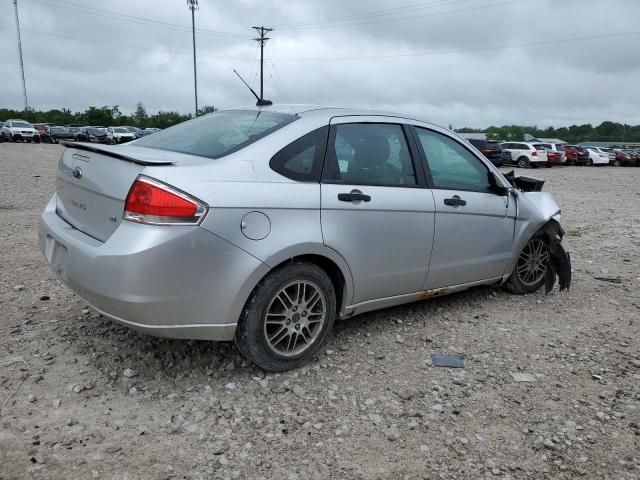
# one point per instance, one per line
(92, 184)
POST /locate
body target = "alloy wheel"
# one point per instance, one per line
(294, 318)
(533, 262)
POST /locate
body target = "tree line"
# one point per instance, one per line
(112, 116)
(605, 132)
(103, 116)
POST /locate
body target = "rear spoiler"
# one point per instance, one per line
(109, 151)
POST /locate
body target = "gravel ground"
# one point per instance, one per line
(550, 386)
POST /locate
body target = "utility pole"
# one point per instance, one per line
(262, 31)
(24, 82)
(193, 6)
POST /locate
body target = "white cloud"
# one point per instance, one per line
(552, 84)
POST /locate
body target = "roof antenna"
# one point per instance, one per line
(261, 102)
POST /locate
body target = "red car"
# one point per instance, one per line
(624, 158)
(576, 155)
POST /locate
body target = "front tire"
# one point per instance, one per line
(617, 163)
(531, 267)
(288, 317)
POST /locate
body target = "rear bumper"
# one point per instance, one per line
(176, 282)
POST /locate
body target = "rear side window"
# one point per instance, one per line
(218, 134)
(369, 154)
(302, 159)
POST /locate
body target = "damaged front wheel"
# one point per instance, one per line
(530, 269)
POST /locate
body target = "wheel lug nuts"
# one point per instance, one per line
(297, 326)
(304, 314)
(288, 321)
(295, 309)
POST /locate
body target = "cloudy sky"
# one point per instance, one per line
(462, 62)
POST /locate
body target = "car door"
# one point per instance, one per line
(474, 226)
(376, 209)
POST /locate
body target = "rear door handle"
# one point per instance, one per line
(455, 201)
(354, 196)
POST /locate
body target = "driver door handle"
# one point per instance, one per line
(455, 201)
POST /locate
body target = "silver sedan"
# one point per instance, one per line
(264, 225)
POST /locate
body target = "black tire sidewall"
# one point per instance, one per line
(250, 338)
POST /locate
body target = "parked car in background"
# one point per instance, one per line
(555, 152)
(119, 135)
(610, 152)
(553, 157)
(74, 130)
(132, 129)
(634, 154)
(92, 135)
(40, 134)
(576, 155)
(623, 158)
(597, 156)
(526, 155)
(146, 131)
(16, 130)
(490, 149)
(55, 134)
(212, 229)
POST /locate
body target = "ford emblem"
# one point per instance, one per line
(76, 172)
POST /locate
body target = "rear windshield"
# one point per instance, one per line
(217, 134)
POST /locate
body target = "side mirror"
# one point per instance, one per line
(496, 186)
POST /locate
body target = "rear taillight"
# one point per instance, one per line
(151, 201)
(534, 153)
(487, 150)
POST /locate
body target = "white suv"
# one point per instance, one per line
(14, 130)
(525, 154)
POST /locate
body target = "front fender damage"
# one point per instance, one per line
(559, 259)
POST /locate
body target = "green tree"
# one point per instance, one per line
(206, 109)
(140, 117)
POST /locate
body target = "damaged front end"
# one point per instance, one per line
(539, 214)
(559, 259)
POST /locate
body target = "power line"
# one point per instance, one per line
(124, 45)
(320, 59)
(466, 50)
(413, 17)
(373, 13)
(79, 8)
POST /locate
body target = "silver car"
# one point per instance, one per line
(264, 225)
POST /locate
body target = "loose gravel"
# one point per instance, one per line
(550, 387)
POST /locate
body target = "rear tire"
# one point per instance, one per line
(288, 317)
(530, 268)
(617, 163)
(589, 163)
(523, 162)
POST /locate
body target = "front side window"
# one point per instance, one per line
(452, 166)
(370, 154)
(218, 134)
